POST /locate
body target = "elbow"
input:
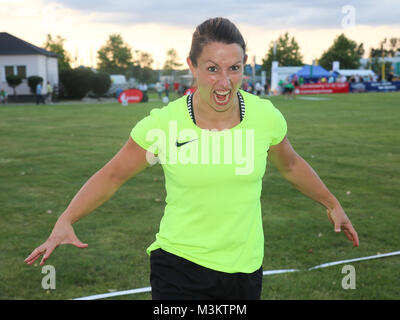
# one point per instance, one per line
(110, 177)
(290, 165)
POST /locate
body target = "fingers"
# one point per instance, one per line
(341, 222)
(352, 235)
(76, 242)
(35, 255)
(47, 254)
(63, 233)
(47, 250)
(80, 245)
(349, 231)
(42, 250)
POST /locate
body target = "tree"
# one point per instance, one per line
(76, 83)
(172, 61)
(115, 57)
(101, 82)
(14, 81)
(287, 53)
(143, 58)
(33, 81)
(344, 50)
(387, 48)
(57, 46)
(141, 69)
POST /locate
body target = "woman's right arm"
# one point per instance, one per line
(128, 162)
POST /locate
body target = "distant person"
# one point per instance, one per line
(144, 88)
(182, 88)
(258, 89)
(176, 87)
(159, 89)
(289, 90)
(250, 87)
(245, 86)
(3, 96)
(266, 89)
(39, 93)
(281, 86)
(166, 89)
(295, 80)
(49, 93)
(118, 92)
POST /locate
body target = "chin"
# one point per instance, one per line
(223, 104)
(221, 108)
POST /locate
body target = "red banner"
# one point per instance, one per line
(318, 88)
(130, 96)
(190, 91)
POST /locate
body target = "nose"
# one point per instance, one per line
(224, 81)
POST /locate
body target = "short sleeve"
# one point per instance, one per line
(280, 127)
(141, 132)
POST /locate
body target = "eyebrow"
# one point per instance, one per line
(240, 61)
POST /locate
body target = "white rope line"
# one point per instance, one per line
(269, 272)
(114, 294)
(324, 265)
(265, 273)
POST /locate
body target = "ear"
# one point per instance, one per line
(191, 66)
(245, 59)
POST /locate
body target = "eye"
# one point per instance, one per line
(235, 67)
(212, 69)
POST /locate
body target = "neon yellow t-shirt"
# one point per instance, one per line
(213, 181)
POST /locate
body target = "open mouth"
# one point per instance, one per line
(221, 97)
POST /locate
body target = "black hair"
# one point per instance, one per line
(214, 30)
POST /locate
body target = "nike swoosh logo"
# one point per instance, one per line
(180, 144)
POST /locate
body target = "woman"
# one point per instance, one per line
(213, 146)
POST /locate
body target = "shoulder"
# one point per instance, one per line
(171, 110)
(259, 105)
(263, 114)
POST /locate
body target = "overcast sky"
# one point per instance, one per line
(272, 14)
(155, 25)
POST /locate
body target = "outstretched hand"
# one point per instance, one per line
(342, 223)
(63, 233)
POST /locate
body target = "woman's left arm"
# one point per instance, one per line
(300, 174)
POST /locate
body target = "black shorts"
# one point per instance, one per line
(175, 278)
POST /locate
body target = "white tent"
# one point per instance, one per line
(284, 72)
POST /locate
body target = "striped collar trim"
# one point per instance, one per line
(191, 113)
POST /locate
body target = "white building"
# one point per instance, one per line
(19, 57)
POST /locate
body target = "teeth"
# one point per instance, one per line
(222, 97)
(222, 93)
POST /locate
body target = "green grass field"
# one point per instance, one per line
(48, 152)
